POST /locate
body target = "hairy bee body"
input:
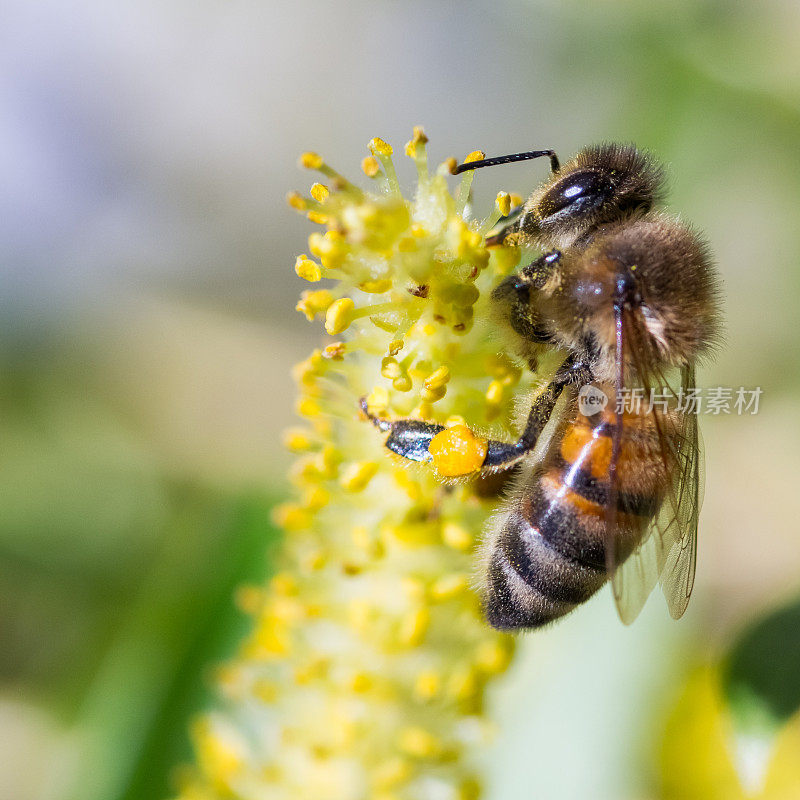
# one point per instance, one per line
(629, 292)
(628, 297)
(547, 552)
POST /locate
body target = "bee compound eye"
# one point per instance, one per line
(576, 193)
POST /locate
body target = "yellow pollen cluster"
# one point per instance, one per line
(456, 451)
(364, 674)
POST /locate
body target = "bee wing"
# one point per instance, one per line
(633, 574)
(677, 519)
(634, 579)
(667, 549)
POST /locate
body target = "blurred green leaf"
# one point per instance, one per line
(156, 672)
(761, 685)
(219, 628)
(761, 679)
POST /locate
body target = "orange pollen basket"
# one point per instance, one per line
(457, 451)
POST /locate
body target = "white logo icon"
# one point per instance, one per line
(591, 400)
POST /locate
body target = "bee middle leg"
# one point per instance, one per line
(514, 298)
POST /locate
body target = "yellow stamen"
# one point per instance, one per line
(339, 316)
(463, 684)
(383, 152)
(402, 383)
(379, 148)
(503, 201)
(427, 685)
(296, 201)
(433, 395)
(419, 743)
(449, 586)
(311, 160)
(370, 166)
(250, 599)
(307, 269)
(376, 287)
(505, 259)
(494, 656)
(391, 772)
(413, 627)
(420, 135)
(297, 440)
(416, 149)
(313, 303)
(390, 368)
(292, 518)
(308, 407)
(438, 378)
(494, 394)
(320, 192)
(315, 561)
(456, 536)
(356, 477)
(334, 351)
(466, 181)
(378, 400)
(475, 155)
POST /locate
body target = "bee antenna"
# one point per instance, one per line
(491, 162)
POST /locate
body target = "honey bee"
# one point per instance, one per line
(629, 296)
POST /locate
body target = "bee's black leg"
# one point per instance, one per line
(537, 272)
(410, 438)
(513, 295)
(501, 455)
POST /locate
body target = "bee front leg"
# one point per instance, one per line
(538, 272)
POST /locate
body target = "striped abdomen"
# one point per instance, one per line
(548, 552)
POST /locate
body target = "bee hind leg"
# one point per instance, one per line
(464, 454)
(411, 438)
(408, 438)
(501, 455)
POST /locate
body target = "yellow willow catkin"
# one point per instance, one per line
(365, 672)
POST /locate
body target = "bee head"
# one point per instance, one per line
(601, 184)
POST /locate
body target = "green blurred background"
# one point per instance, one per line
(148, 330)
